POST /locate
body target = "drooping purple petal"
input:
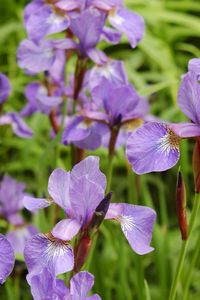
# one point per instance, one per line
(45, 21)
(19, 127)
(129, 23)
(5, 88)
(153, 147)
(136, 223)
(80, 285)
(34, 204)
(7, 258)
(35, 58)
(58, 188)
(66, 229)
(85, 196)
(98, 56)
(89, 167)
(44, 251)
(189, 97)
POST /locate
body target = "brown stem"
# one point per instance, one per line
(81, 252)
(54, 122)
(79, 154)
(81, 67)
(113, 138)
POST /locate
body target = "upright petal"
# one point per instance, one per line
(66, 229)
(58, 187)
(5, 88)
(153, 147)
(89, 167)
(136, 223)
(85, 196)
(80, 285)
(45, 251)
(129, 23)
(7, 258)
(189, 97)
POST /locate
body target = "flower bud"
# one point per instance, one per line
(196, 165)
(181, 205)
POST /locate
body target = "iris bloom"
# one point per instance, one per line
(5, 88)
(155, 146)
(45, 286)
(79, 193)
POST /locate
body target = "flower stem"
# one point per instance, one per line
(184, 247)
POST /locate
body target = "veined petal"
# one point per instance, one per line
(80, 285)
(7, 259)
(66, 229)
(89, 167)
(45, 251)
(34, 204)
(129, 23)
(153, 147)
(58, 187)
(186, 130)
(136, 223)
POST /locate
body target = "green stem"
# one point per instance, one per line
(184, 247)
(190, 271)
(109, 174)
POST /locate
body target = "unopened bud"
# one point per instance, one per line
(196, 165)
(181, 205)
(100, 213)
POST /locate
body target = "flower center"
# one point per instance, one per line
(170, 141)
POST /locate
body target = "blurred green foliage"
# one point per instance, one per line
(154, 67)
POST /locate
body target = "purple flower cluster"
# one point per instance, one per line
(155, 146)
(81, 194)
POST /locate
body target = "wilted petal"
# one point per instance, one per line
(189, 97)
(34, 204)
(66, 229)
(136, 223)
(7, 258)
(129, 23)
(58, 187)
(5, 88)
(45, 251)
(85, 196)
(89, 167)
(153, 147)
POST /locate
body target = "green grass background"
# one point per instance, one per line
(172, 38)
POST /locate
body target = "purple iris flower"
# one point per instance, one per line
(113, 105)
(5, 88)
(19, 127)
(194, 66)
(43, 19)
(89, 33)
(41, 57)
(79, 193)
(155, 146)
(121, 18)
(39, 100)
(46, 286)
(7, 258)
